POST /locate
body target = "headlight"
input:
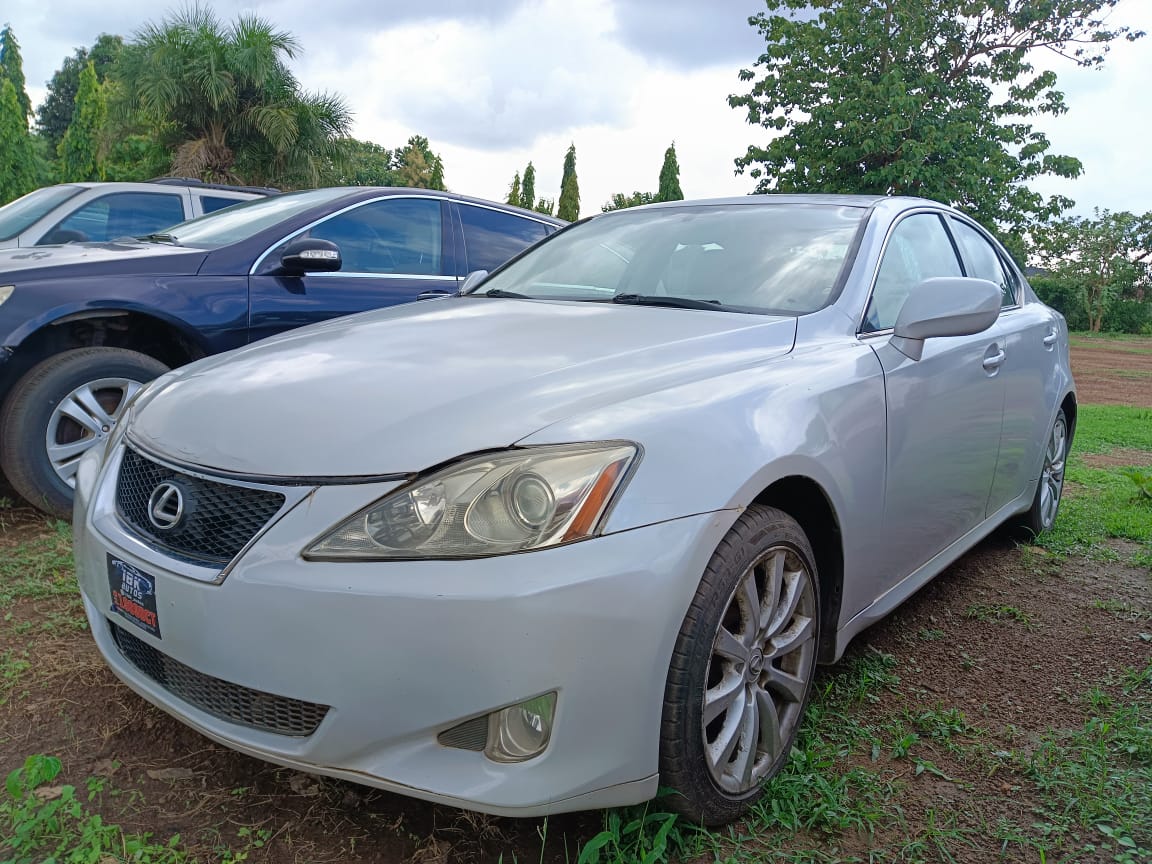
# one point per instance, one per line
(488, 505)
(6, 292)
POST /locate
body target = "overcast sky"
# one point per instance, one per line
(494, 83)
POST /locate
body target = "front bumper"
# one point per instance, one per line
(402, 651)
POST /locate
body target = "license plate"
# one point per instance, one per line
(134, 595)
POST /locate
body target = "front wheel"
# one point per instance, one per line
(59, 410)
(742, 669)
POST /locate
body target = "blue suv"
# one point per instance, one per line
(84, 326)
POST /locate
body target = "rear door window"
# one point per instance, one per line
(982, 261)
(491, 237)
(212, 203)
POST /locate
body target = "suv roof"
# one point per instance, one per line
(201, 184)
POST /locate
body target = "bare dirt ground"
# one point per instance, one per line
(1010, 636)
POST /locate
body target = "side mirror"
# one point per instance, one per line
(945, 306)
(309, 255)
(472, 280)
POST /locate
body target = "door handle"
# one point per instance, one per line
(994, 361)
(1050, 339)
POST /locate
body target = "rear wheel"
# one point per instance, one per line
(1046, 504)
(742, 670)
(58, 411)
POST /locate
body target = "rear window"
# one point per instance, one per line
(212, 203)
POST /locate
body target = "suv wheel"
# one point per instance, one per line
(59, 410)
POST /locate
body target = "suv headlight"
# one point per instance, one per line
(504, 502)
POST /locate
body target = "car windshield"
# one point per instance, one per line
(244, 220)
(18, 215)
(778, 258)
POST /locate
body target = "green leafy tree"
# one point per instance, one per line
(223, 99)
(915, 98)
(620, 201)
(365, 164)
(1102, 265)
(12, 69)
(418, 166)
(54, 115)
(80, 156)
(546, 206)
(514, 191)
(528, 190)
(669, 189)
(569, 206)
(18, 176)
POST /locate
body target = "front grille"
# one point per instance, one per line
(222, 699)
(218, 519)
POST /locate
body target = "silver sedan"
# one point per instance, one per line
(586, 528)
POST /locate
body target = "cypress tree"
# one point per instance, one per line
(514, 191)
(669, 189)
(19, 174)
(12, 69)
(528, 189)
(569, 205)
(80, 158)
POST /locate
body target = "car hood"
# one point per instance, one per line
(128, 256)
(403, 389)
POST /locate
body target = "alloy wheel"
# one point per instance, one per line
(83, 419)
(1052, 477)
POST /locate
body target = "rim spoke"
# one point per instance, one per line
(720, 750)
(60, 453)
(131, 388)
(785, 684)
(750, 607)
(793, 588)
(719, 699)
(745, 759)
(773, 580)
(770, 735)
(789, 640)
(88, 401)
(728, 646)
(76, 410)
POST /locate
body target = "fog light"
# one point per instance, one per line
(521, 731)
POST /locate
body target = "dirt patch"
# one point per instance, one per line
(1118, 458)
(1112, 371)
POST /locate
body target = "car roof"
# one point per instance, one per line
(797, 198)
(373, 191)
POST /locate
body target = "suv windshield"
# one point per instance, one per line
(17, 215)
(769, 258)
(244, 220)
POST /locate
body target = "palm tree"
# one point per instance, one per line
(222, 97)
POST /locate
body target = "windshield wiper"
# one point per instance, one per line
(674, 302)
(159, 238)
(500, 292)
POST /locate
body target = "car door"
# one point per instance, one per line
(1030, 335)
(392, 250)
(943, 411)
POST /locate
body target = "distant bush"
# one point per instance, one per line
(1121, 314)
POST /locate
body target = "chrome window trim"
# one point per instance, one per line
(935, 211)
(946, 214)
(442, 201)
(524, 216)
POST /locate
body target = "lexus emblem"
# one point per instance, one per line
(166, 506)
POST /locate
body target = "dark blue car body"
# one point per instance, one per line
(178, 303)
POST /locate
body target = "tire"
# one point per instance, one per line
(1046, 503)
(41, 439)
(759, 668)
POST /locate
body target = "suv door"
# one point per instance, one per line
(1030, 334)
(944, 411)
(392, 249)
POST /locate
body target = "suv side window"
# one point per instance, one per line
(396, 235)
(212, 203)
(982, 261)
(491, 237)
(122, 214)
(918, 249)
